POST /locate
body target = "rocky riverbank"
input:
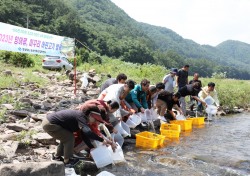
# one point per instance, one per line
(24, 146)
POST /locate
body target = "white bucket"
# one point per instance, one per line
(118, 156)
(118, 138)
(102, 156)
(180, 117)
(120, 128)
(130, 123)
(133, 121)
(126, 128)
(154, 114)
(105, 173)
(148, 115)
(142, 116)
(211, 109)
(209, 100)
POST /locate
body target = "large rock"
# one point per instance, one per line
(8, 149)
(44, 138)
(20, 113)
(17, 127)
(33, 169)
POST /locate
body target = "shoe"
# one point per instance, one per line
(80, 155)
(72, 162)
(57, 158)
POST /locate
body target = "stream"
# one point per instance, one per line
(219, 148)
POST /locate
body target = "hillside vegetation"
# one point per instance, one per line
(108, 30)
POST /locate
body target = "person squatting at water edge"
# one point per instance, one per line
(107, 110)
(166, 101)
(61, 125)
(136, 98)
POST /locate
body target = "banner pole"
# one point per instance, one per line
(75, 69)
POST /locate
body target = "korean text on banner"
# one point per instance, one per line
(18, 39)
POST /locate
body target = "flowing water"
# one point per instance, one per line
(221, 147)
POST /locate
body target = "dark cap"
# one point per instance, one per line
(174, 70)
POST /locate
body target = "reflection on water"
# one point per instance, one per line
(221, 147)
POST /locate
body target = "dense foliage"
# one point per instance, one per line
(17, 59)
(107, 30)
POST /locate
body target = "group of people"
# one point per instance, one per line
(119, 98)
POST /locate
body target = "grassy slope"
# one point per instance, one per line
(231, 92)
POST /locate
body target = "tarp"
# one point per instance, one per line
(18, 39)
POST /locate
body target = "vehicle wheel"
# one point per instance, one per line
(63, 67)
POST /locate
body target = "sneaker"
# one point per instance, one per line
(56, 158)
(72, 162)
(80, 155)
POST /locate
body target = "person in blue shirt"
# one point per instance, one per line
(136, 98)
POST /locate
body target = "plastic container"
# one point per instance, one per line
(84, 81)
(154, 114)
(118, 156)
(133, 121)
(126, 128)
(148, 115)
(149, 140)
(209, 100)
(105, 173)
(102, 156)
(186, 125)
(171, 134)
(211, 109)
(142, 116)
(197, 121)
(180, 117)
(167, 126)
(123, 129)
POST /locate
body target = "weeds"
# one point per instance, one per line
(3, 115)
(25, 137)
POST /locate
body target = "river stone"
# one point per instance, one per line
(8, 106)
(17, 127)
(33, 169)
(8, 149)
(43, 138)
(20, 113)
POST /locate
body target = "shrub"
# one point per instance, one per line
(17, 59)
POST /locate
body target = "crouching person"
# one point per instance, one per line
(62, 124)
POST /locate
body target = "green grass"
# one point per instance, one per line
(231, 92)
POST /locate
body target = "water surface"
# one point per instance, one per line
(221, 147)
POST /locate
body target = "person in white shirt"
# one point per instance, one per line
(209, 90)
(169, 80)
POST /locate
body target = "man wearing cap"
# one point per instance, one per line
(169, 80)
(61, 125)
